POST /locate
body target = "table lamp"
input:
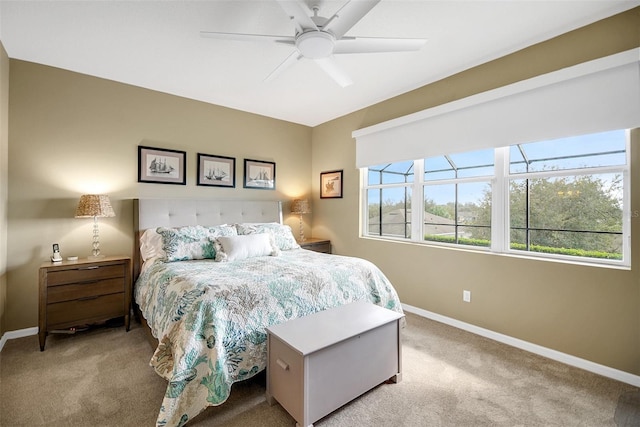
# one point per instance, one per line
(300, 207)
(94, 206)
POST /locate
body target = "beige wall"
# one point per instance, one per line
(589, 312)
(4, 148)
(72, 134)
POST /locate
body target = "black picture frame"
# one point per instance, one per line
(331, 184)
(162, 166)
(216, 171)
(259, 174)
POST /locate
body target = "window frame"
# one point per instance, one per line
(365, 187)
(624, 170)
(455, 181)
(500, 214)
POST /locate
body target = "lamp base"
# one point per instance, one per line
(95, 256)
(301, 238)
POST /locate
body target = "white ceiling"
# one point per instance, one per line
(157, 45)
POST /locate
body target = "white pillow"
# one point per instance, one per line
(151, 245)
(232, 248)
(281, 232)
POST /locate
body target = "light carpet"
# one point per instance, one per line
(450, 378)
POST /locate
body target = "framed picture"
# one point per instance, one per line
(331, 185)
(161, 166)
(259, 174)
(216, 171)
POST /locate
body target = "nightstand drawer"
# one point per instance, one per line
(81, 311)
(318, 245)
(84, 274)
(86, 289)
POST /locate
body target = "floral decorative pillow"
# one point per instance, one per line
(282, 233)
(232, 248)
(222, 230)
(192, 242)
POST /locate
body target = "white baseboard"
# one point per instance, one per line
(17, 334)
(567, 359)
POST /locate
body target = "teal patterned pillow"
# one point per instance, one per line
(192, 242)
(282, 233)
(222, 230)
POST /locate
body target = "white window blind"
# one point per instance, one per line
(591, 97)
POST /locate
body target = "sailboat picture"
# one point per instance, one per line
(161, 166)
(217, 171)
(259, 174)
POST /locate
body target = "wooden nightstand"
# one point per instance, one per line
(317, 245)
(75, 293)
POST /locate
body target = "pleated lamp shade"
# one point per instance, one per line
(94, 205)
(300, 206)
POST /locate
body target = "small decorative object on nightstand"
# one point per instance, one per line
(317, 245)
(300, 207)
(82, 292)
(94, 206)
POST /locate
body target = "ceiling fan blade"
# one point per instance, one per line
(296, 12)
(377, 45)
(247, 37)
(334, 71)
(348, 16)
(289, 61)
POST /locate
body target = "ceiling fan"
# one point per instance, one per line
(319, 38)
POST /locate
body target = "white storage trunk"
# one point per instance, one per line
(319, 362)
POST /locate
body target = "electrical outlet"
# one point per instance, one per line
(466, 296)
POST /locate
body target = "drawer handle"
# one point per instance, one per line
(282, 364)
(93, 267)
(88, 298)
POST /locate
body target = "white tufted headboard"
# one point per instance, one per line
(152, 213)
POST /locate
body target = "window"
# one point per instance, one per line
(566, 196)
(563, 199)
(389, 199)
(457, 196)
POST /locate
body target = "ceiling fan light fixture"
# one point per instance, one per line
(318, 38)
(315, 44)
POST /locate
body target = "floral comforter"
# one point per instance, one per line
(210, 317)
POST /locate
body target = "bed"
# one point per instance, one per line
(211, 275)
